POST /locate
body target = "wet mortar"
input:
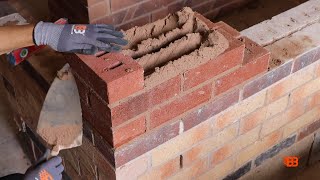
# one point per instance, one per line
(172, 45)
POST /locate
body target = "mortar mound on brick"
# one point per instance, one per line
(173, 45)
(215, 45)
(152, 37)
(180, 21)
(176, 49)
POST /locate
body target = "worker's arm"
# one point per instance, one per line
(84, 39)
(14, 37)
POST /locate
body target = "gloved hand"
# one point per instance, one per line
(49, 170)
(83, 39)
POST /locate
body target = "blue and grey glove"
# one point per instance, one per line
(49, 170)
(79, 38)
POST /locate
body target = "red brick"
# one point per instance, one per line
(230, 6)
(129, 14)
(242, 74)
(221, 3)
(116, 4)
(129, 131)
(147, 7)
(229, 59)
(203, 7)
(103, 20)
(306, 59)
(92, 2)
(104, 166)
(253, 51)
(85, 154)
(209, 110)
(222, 25)
(71, 172)
(174, 7)
(211, 15)
(159, 14)
(145, 143)
(194, 3)
(137, 22)
(267, 80)
(179, 106)
(102, 118)
(87, 114)
(99, 114)
(83, 89)
(139, 104)
(115, 19)
(99, 109)
(309, 129)
(98, 10)
(87, 130)
(118, 79)
(104, 148)
(110, 75)
(87, 172)
(210, 24)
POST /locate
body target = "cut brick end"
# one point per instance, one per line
(113, 76)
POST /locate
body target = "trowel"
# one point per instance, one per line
(60, 121)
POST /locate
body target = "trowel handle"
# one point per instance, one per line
(46, 155)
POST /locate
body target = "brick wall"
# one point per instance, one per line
(206, 120)
(128, 13)
(120, 114)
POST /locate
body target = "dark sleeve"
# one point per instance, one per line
(13, 177)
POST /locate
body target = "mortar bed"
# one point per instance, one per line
(170, 46)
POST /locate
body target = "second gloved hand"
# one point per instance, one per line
(49, 170)
(83, 39)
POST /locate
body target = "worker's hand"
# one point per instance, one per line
(49, 170)
(83, 39)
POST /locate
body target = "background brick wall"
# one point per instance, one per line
(128, 13)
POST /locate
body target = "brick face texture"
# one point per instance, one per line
(128, 13)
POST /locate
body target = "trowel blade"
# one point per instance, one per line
(60, 121)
